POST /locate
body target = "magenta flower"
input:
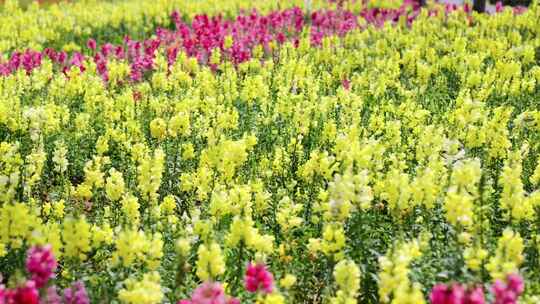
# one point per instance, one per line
(444, 294)
(456, 294)
(258, 278)
(499, 7)
(475, 296)
(41, 264)
(515, 283)
(346, 83)
(509, 292)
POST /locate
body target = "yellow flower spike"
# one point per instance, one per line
(210, 263)
(150, 172)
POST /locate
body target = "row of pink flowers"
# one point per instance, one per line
(41, 266)
(205, 34)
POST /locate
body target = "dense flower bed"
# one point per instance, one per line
(304, 152)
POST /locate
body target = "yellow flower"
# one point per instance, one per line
(183, 246)
(150, 172)
(114, 186)
(347, 276)
(17, 222)
(77, 238)
(135, 247)
(158, 128)
(287, 281)
(130, 208)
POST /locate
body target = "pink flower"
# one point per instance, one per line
(258, 278)
(499, 7)
(515, 283)
(509, 292)
(456, 294)
(346, 84)
(208, 293)
(41, 264)
(52, 296)
(3, 294)
(76, 294)
(91, 44)
(518, 10)
(444, 294)
(475, 296)
(233, 301)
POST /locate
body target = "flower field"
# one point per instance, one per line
(270, 152)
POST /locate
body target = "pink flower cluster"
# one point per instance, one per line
(27, 60)
(210, 293)
(41, 265)
(509, 292)
(456, 294)
(503, 292)
(208, 33)
(378, 16)
(258, 278)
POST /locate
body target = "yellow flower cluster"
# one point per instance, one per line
(17, 222)
(135, 248)
(145, 291)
